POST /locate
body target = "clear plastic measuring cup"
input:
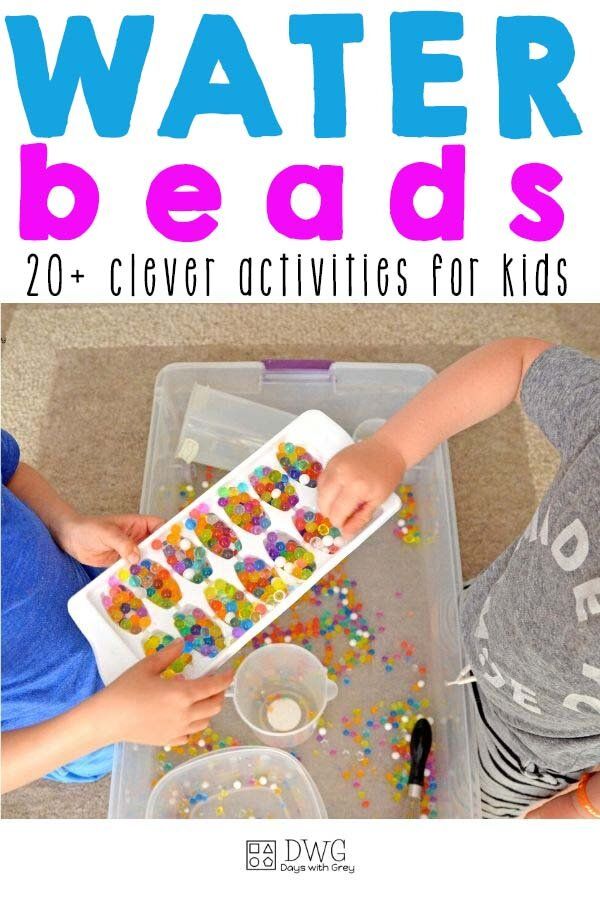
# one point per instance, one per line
(280, 691)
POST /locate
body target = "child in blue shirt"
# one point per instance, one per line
(58, 720)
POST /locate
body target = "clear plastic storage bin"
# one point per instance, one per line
(408, 593)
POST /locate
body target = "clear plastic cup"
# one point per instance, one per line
(280, 691)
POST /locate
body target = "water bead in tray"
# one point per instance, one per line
(153, 582)
(157, 642)
(199, 632)
(260, 580)
(299, 464)
(185, 558)
(233, 607)
(124, 608)
(244, 511)
(214, 534)
(317, 530)
(274, 487)
(289, 556)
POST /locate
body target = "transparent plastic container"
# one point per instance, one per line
(280, 692)
(221, 430)
(367, 428)
(427, 575)
(240, 783)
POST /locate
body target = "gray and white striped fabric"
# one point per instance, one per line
(507, 787)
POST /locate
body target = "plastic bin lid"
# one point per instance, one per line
(238, 783)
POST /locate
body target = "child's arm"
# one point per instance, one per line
(476, 387)
(140, 706)
(93, 540)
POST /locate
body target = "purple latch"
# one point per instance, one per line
(285, 365)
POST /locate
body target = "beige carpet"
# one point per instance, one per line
(77, 392)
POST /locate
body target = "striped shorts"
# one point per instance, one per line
(507, 787)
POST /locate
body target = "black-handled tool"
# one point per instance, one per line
(420, 745)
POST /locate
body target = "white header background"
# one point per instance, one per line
(370, 154)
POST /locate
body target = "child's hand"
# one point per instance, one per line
(101, 540)
(561, 807)
(144, 708)
(140, 706)
(357, 480)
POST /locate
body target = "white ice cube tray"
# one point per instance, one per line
(116, 649)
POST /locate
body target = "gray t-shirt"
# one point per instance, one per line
(531, 622)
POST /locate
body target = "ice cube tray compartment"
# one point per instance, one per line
(274, 487)
(200, 572)
(159, 640)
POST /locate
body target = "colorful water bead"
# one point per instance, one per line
(152, 581)
(244, 511)
(328, 620)
(233, 606)
(380, 733)
(199, 632)
(184, 557)
(299, 464)
(317, 530)
(274, 488)
(197, 744)
(216, 536)
(260, 580)
(406, 527)
(329, 612)
(289, 556)
(124, 608)
(157, 642)
(201, 477)
(186, 494)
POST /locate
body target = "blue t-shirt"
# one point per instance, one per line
(47, 664)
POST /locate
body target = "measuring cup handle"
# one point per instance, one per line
(331, 689)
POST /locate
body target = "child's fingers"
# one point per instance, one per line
(327, 494)
(135, 526)
(207, 708)
(359, 519)
(153, 522)
(208, 686)
(199, 725)
(160, 661)
(125, 546)
(344, 506)
(179, 741)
